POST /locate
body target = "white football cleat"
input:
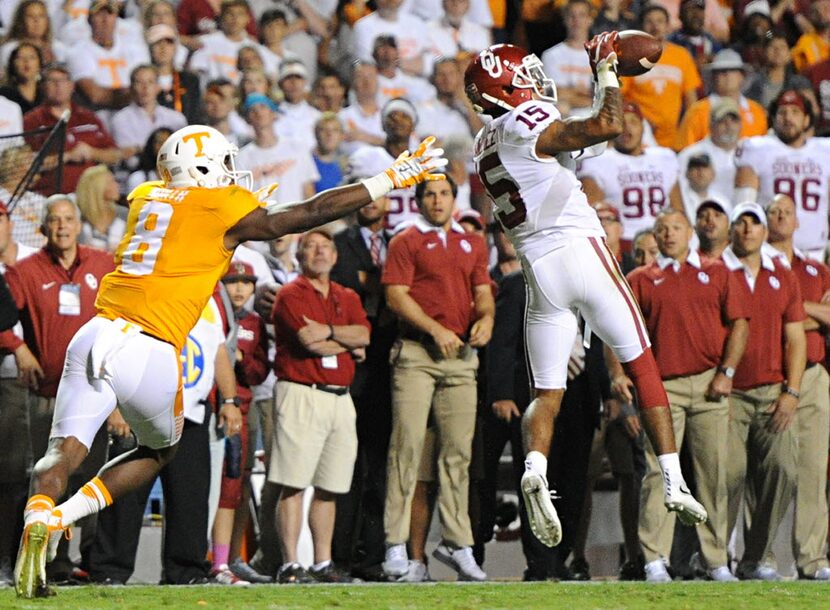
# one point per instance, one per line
(544, 522)
(679, 499)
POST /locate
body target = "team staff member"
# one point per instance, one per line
(813, 421)
(55, 289)
(320, 328)
(696, 313)
(766, 388)
(437, 283)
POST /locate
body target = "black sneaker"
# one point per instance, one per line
(633, 570)
(331, 574)
(294, 574)
(579, 570)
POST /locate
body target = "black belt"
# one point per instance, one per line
(337, 390)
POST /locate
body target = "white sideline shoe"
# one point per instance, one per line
(461, 560)
(656, 572)
(721, 574)
(396, 562)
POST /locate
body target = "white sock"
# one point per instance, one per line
(322, 565)
(536, 462)
(93, 497)
(670, 465)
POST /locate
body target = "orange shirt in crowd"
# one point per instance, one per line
(695, 125)
(659, 92)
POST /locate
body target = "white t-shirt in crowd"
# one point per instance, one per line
(288, 162)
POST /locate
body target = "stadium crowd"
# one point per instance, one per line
(379, 360)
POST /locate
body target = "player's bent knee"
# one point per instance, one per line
(68, 451)
(644, 373)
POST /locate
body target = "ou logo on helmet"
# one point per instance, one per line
(492, 64)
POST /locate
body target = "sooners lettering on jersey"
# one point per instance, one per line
(638, 185)
(371, 160)
(802, 173)
(538, 200)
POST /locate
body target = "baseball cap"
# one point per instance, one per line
(258, 98)
(604, 206)
(159, 32)
(727, 59)
(239, 270)
(113, 6)
(725, 107)
(292, 68)
(760, 7)
(714, 204)
(749, 207)
(700, 160)
(791, 98)
(472, 216)
(400, 104)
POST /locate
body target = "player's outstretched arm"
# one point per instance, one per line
(407, 170)
(605, 123)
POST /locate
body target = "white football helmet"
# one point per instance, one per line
(198, 155)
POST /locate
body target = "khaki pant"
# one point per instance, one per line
(706, 424)
(812, 424)
(448, 387)
(762, 469)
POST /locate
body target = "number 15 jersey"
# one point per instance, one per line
(171, 257)
(538, 200)
(802, 173)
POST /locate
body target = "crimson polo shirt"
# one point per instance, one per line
(83, 126)
(300, 298)
(441, 272)
(36, 283)
(814, 281)
(687, 307)
(775, 301)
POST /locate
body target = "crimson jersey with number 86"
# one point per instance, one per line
(638, 185)
(801, 173)
(538, 200)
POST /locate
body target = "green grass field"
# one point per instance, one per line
(444, 596)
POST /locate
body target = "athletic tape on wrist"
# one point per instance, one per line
(378, 186)
(606, 77)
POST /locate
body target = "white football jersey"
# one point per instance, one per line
(638, 185)
(538, 200)
(802, 173)
(371, 160)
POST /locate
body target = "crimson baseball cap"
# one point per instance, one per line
(792, 98)
(604, 206)
(239, 270)
(472, 216)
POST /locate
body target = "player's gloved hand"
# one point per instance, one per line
(602, 52)
(410, 169)
(265, 192)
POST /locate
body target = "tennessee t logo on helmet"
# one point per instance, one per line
(197, 138)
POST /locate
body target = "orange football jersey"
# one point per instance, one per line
(171, 256)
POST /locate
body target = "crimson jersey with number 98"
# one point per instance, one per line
(538, 200)
(638, 185)
(802, 173)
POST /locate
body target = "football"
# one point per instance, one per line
(637, 52)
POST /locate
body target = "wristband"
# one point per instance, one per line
(331, 333)
(794, 393)
(232, 401)
(378, 186)
(607, 78)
